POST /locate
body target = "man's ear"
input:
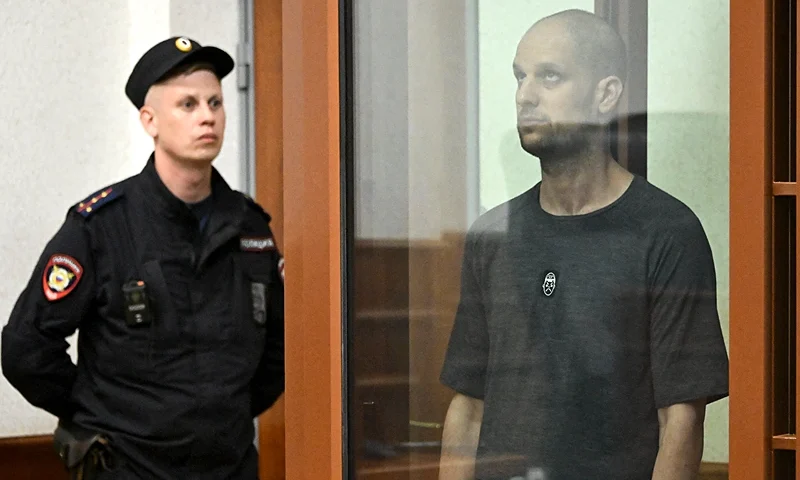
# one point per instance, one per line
(147, 116)
(608, 94)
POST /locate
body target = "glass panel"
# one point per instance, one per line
(521, 301)
(687, 132)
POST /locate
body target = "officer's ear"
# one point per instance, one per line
(147, 115)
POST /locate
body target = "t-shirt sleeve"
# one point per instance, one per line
(688, 356)
(468, 349)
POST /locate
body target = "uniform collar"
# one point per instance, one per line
(227, 205)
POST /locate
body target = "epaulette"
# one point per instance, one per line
(97, 200)
(256, 206)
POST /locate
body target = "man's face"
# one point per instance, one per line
(555, 91)
(186, 116)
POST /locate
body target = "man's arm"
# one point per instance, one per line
(462, 428)
(688, 353)
(59, 294)
(680, 441)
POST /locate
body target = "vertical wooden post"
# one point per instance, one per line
(750, 196)
(312, 239)
(268, 69)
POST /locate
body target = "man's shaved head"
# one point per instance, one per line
(570, 69)
(597, 44)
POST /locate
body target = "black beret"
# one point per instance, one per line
(166, 55)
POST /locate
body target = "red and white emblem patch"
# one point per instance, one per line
(61, 275)
(280, 269)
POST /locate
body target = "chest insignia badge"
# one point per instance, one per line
(256, 244)
(549, 285)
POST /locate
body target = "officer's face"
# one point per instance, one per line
(555, 91)
(188, 117)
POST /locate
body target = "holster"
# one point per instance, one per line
(83, 453)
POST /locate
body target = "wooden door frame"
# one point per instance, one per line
(268, 84)
(312, 239)
(298, 181)
(750, 195)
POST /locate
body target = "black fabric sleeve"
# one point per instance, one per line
(467, 353)
(688, 356)
(59, 294)
(269, 380)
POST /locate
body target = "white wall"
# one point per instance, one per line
(68, 129)
(216, 22)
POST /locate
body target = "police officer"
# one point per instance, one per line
(175, 284)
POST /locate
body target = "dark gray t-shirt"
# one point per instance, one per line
(575, 330)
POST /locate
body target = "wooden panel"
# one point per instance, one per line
(784, 442)
(312, 239)
(750, 188)
(435, 269)
(713, 471)
(784, 189)
(436, 281)
(30, 458)
(267, 69)
(405, 298)
(783, 58)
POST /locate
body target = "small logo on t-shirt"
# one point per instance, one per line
(549, 285)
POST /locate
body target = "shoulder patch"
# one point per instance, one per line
(60, 277)
(98, 199)
(255, 205)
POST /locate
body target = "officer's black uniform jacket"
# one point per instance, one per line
(177, 396)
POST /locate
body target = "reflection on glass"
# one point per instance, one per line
(573, 330)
